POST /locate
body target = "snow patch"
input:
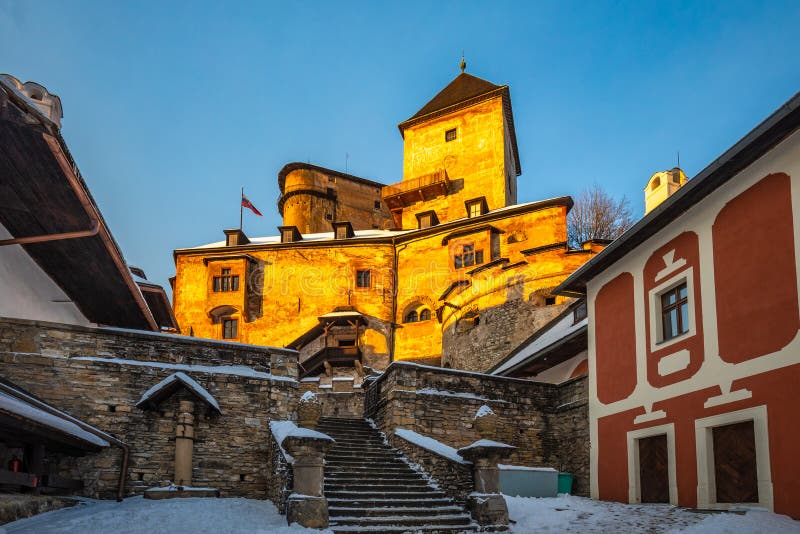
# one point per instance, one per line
(430, 444)
(460, 395)
(487, 443)
(483, 411)
(284, 429)
(234, 370)
(187, 381)
(308, 396)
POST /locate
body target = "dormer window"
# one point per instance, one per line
(579, 313)
(450, 135)
(343, 230)
(427, 219)
(476, 207)
(290, 234)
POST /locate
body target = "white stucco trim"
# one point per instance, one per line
(634, 482)
(706, 483)
(656, 321)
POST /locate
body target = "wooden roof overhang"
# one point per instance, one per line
(159, 305)
(336, 318)
(41, 194)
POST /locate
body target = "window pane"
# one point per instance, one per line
(235, 283)
(469, 259)
(479, 257)
(226, 271)
(682, 291)
(670, 324)
(469, 248)
(425, 315)
(684, 309)
(411, 317)
(226, 283)
(457, 260)
(216, 283)
(668, 299)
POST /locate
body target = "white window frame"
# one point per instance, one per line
(634, 482)
(657, 341)
(704, 442)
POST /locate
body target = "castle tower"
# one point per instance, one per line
(460, 155)
(661, 186)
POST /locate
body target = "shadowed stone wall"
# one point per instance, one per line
(548, 423)
(98, 375)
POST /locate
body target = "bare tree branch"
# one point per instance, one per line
(597, 215)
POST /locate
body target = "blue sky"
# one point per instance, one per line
(170, 107)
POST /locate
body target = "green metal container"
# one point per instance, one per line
(564, 482)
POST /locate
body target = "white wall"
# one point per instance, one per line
(27, 292)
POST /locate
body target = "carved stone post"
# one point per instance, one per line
(486, 504)
(184, 442)
(307, 504)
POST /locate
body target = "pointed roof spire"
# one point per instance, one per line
(463, 64)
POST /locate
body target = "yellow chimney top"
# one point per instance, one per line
(661, 185)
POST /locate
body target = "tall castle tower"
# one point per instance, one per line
(460, 155)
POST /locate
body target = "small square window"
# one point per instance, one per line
(468, 257)
(329, 191)
(450, 135)
(362, 279)
(549, 301)
(328, 217)
(425, 221)
(377, 204)
(229, 328)
(580, 312)
(341, 232)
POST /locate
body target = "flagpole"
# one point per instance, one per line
(240, 209)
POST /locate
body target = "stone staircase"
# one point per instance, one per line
(371, 489)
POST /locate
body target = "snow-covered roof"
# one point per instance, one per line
(62, 422)
(367, 234)
(430, 444)
(168, 386)
(563, 328)
(486, 443)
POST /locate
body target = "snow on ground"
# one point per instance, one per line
(565, 513)
(137, 515)
(578, 514)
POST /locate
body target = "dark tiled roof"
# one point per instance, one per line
(463, 87)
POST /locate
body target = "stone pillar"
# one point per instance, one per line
(307, 504)
(486, 504)
(184, 442)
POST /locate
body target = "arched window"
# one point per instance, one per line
(411, 317)
(425, 315)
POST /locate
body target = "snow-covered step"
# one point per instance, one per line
(403, 520)
(393, 510)
(383, 529)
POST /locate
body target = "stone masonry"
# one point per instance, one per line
(546, 422)
(99, 374)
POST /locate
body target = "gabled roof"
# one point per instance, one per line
(169, 386)
(463, 87)
(466, 90)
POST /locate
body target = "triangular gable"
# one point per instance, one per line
(463, 87)
(169, 386)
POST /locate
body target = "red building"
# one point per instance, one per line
(694, 353)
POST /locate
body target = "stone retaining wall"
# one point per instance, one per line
(98, 375)
(441, 403)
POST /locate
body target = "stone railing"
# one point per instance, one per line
(340, 398)
(531, 416)
(454, 477)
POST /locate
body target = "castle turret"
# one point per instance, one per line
(661, 186)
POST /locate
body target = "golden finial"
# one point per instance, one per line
(463, 63)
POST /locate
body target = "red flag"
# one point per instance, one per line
(247, 204)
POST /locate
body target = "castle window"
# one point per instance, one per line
(329, 191)
(467, 257)
(426, 219)
(363, 279)
(226, 282)
(377, 204)
(425, 315)
(229, 328)
(411, 317)
(476, 207)
(549, 301)
(450, 135)
(675, 312)
(328, 217)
